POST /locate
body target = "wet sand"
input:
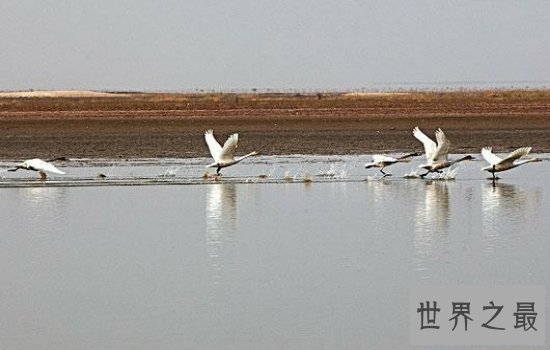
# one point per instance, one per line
(130, 125)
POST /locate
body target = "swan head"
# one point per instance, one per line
(468, 157)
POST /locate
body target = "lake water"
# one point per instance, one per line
(254, 262)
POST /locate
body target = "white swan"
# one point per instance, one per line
(381, 161)
(223, 157)
(498, 164)
(436, 154)
(39, 165)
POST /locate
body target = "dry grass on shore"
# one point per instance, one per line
(108, 101)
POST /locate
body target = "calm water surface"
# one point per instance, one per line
(232, 265)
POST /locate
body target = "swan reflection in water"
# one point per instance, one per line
(221, 222)
(507, 208)
(432, 215)
(45, 208)
(377, 190)
(432, 224)
(42, 203)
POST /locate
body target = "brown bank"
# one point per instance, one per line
(128, 125)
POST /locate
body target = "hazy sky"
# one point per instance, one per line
(340, 44)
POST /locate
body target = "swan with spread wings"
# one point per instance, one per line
(39, 165)
(437, 154)
(511, 161)
(224, 156)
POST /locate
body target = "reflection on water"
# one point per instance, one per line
(39, 214)
(506, 209)
(432, 214)
(431, 223)
(508, 200)
(43, 203)
(221, 223)
(47, 196)
(378, 190)
(255, 265)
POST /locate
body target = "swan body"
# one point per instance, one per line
(38, 165)
(437, 154)
(223, 156)
(497, 164)
(381, 161)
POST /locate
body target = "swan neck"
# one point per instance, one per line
(525, 161)
(462, 159)
(246, 156)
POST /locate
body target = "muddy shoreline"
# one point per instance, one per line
(171, 125)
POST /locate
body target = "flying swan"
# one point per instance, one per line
(381, 161)
(498, 164)
(223, 157)
(436, 154)
(39, 165)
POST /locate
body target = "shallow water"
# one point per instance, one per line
(246, 262)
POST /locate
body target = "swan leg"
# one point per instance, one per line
(42, 175)
(494, 175)
(218, 170)
(494, 178)
(385, 174)
(423, 175)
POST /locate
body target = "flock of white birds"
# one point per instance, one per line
(436, 152)
(437, 156)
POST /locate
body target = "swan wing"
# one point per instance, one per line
(429, 145)
(443, 145)
(229, 147)
(520, 152)
(378, 158)
(41, 165)
(213, 145)
(490, 157)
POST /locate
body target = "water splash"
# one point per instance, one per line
(300, 175)
(374, 178)
(2, 171)
(333, 173)
(411, 175)
(306, 177)
(170, 172)
(446, 175)
(288, 177)
(211, 176)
